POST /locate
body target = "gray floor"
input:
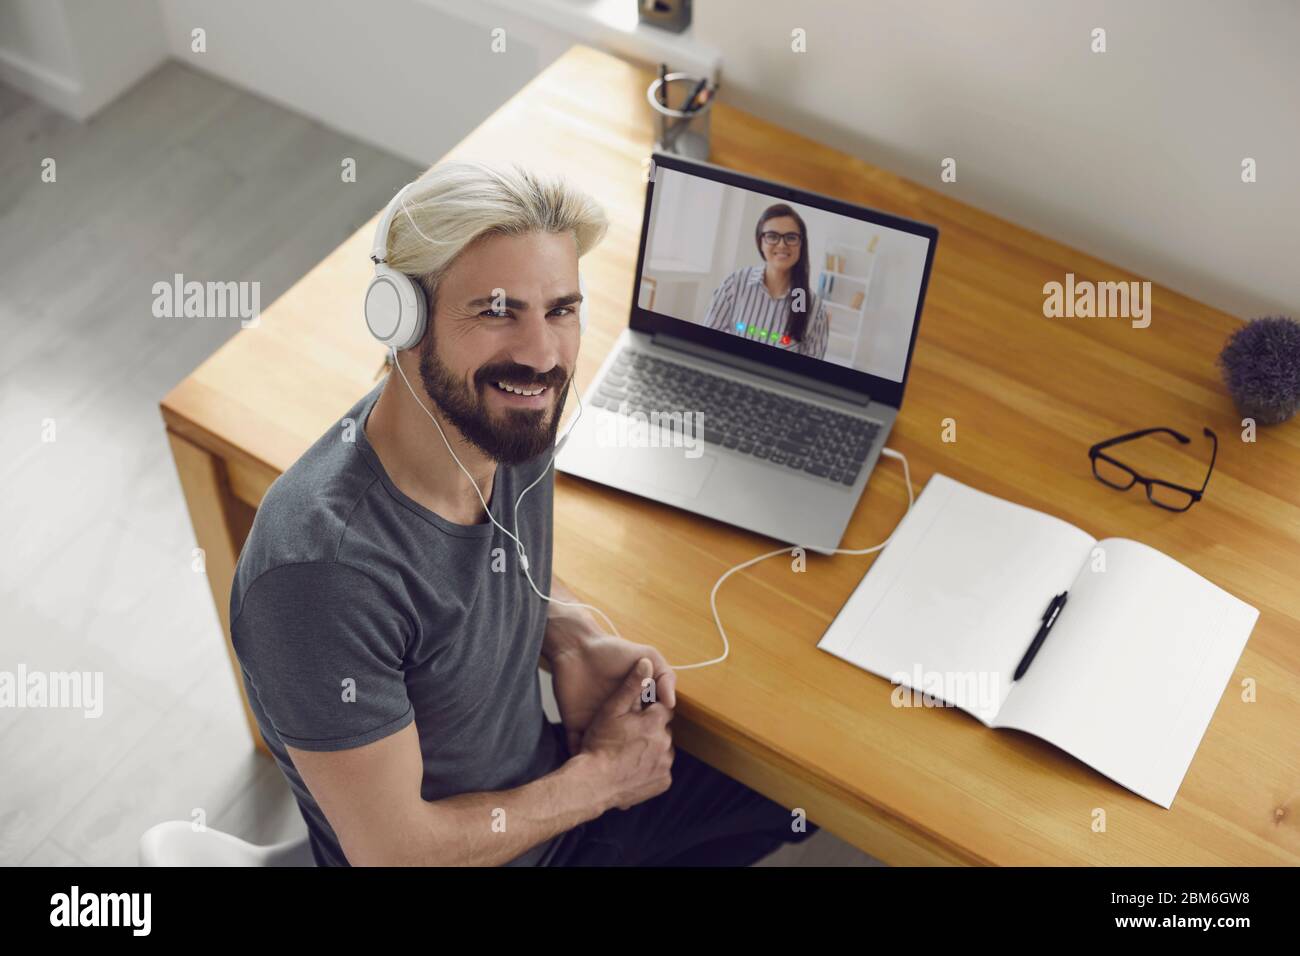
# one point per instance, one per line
(182, 174)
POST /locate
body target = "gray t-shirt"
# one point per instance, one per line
(346, 582)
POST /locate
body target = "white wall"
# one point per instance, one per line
(36, 53)
(117, 43)
(1132, 155)
(403, 74)
(78, 55)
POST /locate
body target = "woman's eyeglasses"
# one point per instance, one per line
(1163, 494)
(791, 238)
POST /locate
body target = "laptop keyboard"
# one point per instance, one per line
(785, 431)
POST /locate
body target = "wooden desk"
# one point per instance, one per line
(1029, 395)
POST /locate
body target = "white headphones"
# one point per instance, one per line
(395, 307)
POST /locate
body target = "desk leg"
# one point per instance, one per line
(221, 523)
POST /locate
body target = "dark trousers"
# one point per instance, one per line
(703, 819)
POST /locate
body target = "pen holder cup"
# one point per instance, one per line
(677, 131)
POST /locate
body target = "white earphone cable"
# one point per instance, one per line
(519, 545)
(713, 595)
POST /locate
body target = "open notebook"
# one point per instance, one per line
(1126, 680)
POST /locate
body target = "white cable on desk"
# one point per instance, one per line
(713, 595)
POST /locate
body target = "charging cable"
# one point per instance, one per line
(713, 595)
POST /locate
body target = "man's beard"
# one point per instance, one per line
(521, 434)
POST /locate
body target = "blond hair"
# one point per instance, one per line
(459, 202)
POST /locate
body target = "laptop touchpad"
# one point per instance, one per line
(665, 469)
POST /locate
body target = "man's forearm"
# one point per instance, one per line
(489, 829)
(567, 628)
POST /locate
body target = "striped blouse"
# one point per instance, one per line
(742, 306)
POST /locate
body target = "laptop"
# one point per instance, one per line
(766, 356)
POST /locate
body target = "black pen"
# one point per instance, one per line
(1049, 618)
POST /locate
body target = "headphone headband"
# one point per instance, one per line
(379, 248)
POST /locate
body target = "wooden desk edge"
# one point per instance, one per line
(221, 521)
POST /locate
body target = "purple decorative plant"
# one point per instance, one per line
(1261, 366)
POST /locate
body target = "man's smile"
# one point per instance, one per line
(521, 396)
(520, 389)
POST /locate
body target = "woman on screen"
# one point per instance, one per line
(772, 303)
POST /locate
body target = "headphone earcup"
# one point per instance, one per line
(395, 309)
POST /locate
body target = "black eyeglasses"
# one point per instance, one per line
(1163, 494)
(791, 238)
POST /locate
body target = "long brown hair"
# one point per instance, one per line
(796, 319)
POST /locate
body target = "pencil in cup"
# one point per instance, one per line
(678, 129)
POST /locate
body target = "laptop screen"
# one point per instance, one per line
(782, 276)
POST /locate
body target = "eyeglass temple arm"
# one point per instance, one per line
(1132, 435)
(1214, 453)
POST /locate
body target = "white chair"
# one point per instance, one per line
(176, 843)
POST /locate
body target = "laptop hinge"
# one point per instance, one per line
(758, 368)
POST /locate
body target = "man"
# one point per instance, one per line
(388, 635)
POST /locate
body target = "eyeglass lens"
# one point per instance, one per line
(1112, 474)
